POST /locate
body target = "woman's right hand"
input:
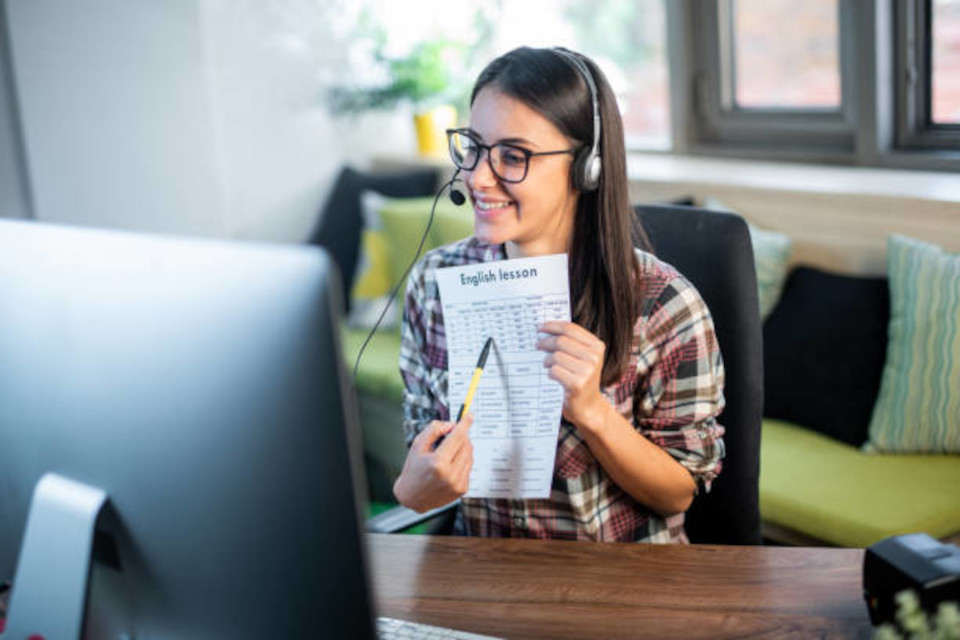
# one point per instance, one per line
(436, 474)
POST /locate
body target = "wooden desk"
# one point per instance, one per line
(553, 589)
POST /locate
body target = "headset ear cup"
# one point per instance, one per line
(591, 172)
(585, 171)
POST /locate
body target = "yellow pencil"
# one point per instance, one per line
(475, 381)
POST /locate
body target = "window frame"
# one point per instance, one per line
(865, 131)
(723, 122)
(914, 80)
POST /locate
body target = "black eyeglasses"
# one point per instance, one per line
(508, 163)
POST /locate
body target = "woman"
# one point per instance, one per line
(639, 363)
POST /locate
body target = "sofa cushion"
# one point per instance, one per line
(824, 348)
(379, 371)
(837, 493)
(404, 222)
(919, 405)
(340, 222)
(393, 228)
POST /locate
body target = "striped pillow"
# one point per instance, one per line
(771, 256)
(918, 409)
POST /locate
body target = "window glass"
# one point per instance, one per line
(945, 58)
(785, 53)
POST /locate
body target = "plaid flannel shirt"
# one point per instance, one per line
(671, 392)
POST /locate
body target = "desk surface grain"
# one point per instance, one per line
(555, 589)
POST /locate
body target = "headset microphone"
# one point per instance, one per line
(456, 197)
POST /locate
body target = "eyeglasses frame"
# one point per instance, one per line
(489, 147)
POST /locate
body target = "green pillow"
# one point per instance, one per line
(918, 409)
(404, 221)
(452, 223)
(392, 229)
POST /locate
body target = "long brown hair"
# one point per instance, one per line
(604, 280)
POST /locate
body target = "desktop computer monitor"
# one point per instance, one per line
(199, 385)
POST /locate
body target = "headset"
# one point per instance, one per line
(587, 165)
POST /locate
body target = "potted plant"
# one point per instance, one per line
(429, 78)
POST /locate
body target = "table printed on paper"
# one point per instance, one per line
(516, 407)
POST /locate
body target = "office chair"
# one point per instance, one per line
(713, 250)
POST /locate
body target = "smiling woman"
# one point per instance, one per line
(528, 210)
(543, 160)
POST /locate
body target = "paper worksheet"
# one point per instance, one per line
(516, 407)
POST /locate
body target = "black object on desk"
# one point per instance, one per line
(915, 561)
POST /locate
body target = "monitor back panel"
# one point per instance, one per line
(200, 384)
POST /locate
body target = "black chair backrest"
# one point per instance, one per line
(714, 252)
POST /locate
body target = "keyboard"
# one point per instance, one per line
(393, 629)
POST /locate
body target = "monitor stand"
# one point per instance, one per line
(50, 586)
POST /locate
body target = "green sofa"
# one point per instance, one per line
(379, 395)
(814, 489)
(825, 348)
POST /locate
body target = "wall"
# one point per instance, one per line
(116, 129)
(185, 116)
(14, 190)
(838, 217)
(278, 147)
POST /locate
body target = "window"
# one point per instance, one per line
(795, 68)
(875, 83)
(627, 39)
(760, 86)
(945, 69)
(928, 73)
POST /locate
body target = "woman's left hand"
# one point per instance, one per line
(575, 360)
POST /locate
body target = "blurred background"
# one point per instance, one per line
(831, 126)
(231, 117)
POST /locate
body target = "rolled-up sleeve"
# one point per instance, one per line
(682, 376)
